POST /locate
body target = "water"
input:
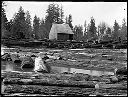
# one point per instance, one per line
(10, 66)
(75, 70)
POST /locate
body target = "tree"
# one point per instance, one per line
(85, 27)
(92, 30)
(108, 31)
(116, 31)
(28, 25)
(19, 28)
(78, 32)
(102, 27)
(61, 15)
(54, 15)
(123, 32)
(4, 22)
(85, 37)
(42, 30)
(36, 27)
(69, 21)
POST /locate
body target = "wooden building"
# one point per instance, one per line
(61, 32)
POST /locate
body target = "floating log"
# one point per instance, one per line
(27, 62)
(15, 58)
(5, 57)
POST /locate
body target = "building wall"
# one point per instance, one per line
(63, 36)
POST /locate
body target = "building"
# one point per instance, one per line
(61, 32)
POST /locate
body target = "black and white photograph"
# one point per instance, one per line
(63, 48)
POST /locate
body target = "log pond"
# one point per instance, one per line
(78, 71)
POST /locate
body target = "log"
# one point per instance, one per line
(55, 90)
(49, 82)
(27, 62)
(5, 57)
(71, 77)
(15, 58)
(113, 86)
(49, 90)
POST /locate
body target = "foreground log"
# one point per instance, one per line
(63, 91)
(48, 90)
(113, 86)
(50, 82)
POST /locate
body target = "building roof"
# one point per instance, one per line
(59, 28)
(62, 28)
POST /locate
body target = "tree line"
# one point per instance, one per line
(20, 26)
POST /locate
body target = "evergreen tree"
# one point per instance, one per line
(28, 25)
(61, 15)
(85, 27)
(66, 20)
(78, 33)
(102, 27)
(70, 21)
(54, 15)
(42, 30)
(92, 29)
(36, 23)
(109, 31)
(116, 31)
(4, 22)
(19, 25)
(123, 32)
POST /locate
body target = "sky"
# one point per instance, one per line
(81, 11)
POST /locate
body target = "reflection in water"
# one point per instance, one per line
(74, 70)
(10, 66)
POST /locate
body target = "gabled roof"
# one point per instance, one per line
(62, 28)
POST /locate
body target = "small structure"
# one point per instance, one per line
(61, 32)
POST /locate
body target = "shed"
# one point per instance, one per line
(61, 32)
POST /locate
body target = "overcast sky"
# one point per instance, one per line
(80, 11)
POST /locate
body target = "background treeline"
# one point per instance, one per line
(21, 26)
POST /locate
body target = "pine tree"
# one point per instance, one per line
(19, 25)
(123, 32)
(102, 28)
(4, 22)
(116, 31)
(54, 15)
(36, 23)
(92, 29)
(78, 32)
(61, 15)
(109, 31)
(28, 25)
(42, 30)
(70, 21)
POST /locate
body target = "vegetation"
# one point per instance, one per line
(20, 26)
